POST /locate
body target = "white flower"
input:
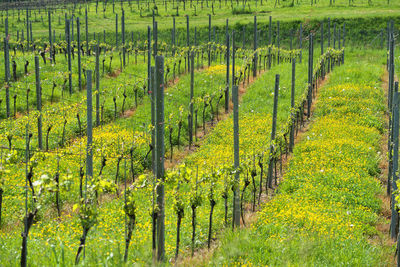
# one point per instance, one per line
(37, 183)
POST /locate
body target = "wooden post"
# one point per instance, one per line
(236, 192)
(279, 43)
(72, 27)
(270, 31)
(188, 41)
(78, 32)
(269, 42)
(292, 98)
(97, 70)
(123, 36)
(322, 38)
(116, 30)
(173, 46)
(153, 161)
(329, 32)
(155, 37)
(310, 70)
(243, 37)
(291, 39)
(273, 133)
(24, 249)
(7, 75)
(27, 28)
(392, 26)
(344, 40)
(87, 31)
(394, 223)
(173, 36)
(191, 99)
(301, 42)
(334, 35)
(227, 68)
(50, 39)
(6, 27)
(390, 97)
(67, 28)
(148, 57)
(255, 48)
(153, 17)
(153, 122)
(160, 153)
(89, 129)
(31, 34)
(391, 70)
(195, 45)
(233, 57)
(388, 44)
(209, 40)
(38, 101)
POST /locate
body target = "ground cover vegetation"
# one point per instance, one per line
(326, 209)
(136, 132)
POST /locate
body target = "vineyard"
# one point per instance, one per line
(222, 133)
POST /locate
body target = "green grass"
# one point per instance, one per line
(106, 237)
(135, 22)
(273, 240)
(326, 208)
(138, 25)
(59, 105)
